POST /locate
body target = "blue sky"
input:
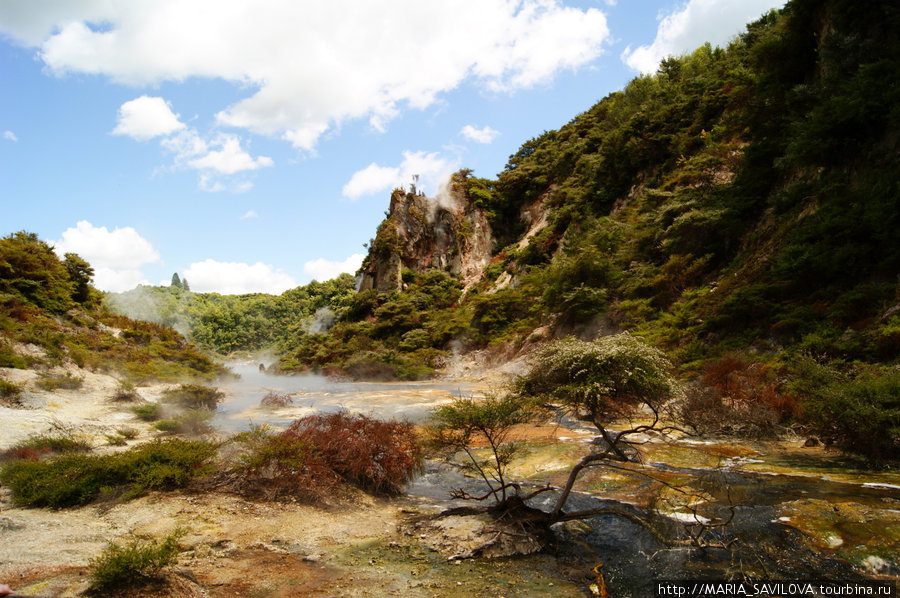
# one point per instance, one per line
(252, 146)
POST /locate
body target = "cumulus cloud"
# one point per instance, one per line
(230, 159)
(217, 159)
(698, 22)
(483, 135)
(431, 167)
(322, 269)
(10, 136)
(116, 255)
(146, 117)
(236, 278)
(310, 65)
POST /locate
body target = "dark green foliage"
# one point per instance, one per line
(129, 565)
(75, 479)
(31, 273)
(80, 273)
(859, 415)
(58, 441)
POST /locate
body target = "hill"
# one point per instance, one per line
(737, 209)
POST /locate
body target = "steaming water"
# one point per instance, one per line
(408, 401)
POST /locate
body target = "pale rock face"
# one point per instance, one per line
(420, 233)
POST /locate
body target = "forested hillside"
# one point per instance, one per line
(50, 315)
(738, 209)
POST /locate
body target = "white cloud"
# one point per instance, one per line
(322, 269)
(230, 159)
(371, 179)
(10, 136)
(116, 255)
(698, 22)
(249, 214)
(146, 117)
(235, 278)
(483, 135)
(218, 158)
(311, 65)
(432, 169)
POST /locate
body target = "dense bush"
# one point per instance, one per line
(316, 453)
(860, 415)
(74, 479)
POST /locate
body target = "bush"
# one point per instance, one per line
(10, 392)
(316, 453)
(59, 441)
(860, 416)
(192, 422)
(134, 563)
(52, 382)
(126, 391)
(194, 396)
(148, 413)
(74, 479)
(273, 400)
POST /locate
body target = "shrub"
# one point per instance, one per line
(149, 412)
(59, 441)
(273, 400)
(192, 422)
(194, 396)
(378, 456)
(136, 562)
(10, 359)
(860, 416)
(75, 479)
(316, 453)
(126, 391)
(52, 382)
(10, 392)
(279, 466)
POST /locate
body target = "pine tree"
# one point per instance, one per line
(176, 282)
(184, 284)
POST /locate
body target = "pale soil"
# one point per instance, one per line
(233, 547)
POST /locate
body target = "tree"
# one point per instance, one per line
(176, 281)
(31, 273)
(185, 285)
(80, 273)
(610, 379)
(465, 421)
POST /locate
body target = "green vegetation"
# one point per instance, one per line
(228, 323)
(132, 564)
(10, 392)
(52, 382)
(194, 396)
(739, 204)
(467, 422)
(49, 303)
(148, 412)
(75, 479)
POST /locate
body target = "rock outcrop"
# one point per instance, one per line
(447, 232)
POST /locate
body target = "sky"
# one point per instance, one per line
(252, 146)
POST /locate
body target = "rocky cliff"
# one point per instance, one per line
(446, 232)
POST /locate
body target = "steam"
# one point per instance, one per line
(321, 321)
(142, 303)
